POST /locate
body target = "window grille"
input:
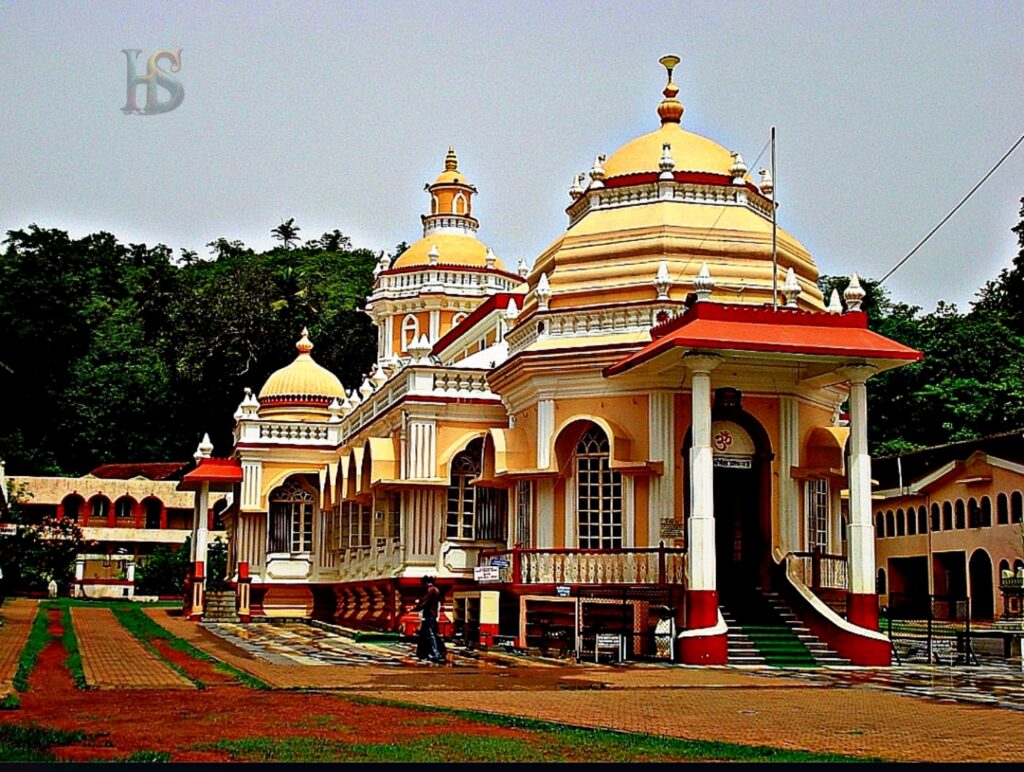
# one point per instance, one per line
(524, 513)
(291, 518)
(473, 512)
(598, 494)
(817, 515)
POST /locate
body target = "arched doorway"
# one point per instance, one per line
(742, 456)
(981, 585)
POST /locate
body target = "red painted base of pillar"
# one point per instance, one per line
(487, 633)
(862, 610)
(702, 612)
(244, 618)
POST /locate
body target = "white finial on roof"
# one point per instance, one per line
(854, 294)
(597, 172)
(662, 281)
(522, 269)
(576, 189)
(704, 283)
(490, 259)
(791, 288)
(834, 306)
(543, 292)
(738, 169)
(335, 410)
(667, 163)
(767, 186)
(511, 310)
(433, 255)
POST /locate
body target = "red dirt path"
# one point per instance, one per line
(175, 721)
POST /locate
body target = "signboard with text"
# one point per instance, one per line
(487, 574)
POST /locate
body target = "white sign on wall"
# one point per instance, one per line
(487, 574)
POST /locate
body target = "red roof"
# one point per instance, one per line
(735, 327)
(157, 470)
(216, 471)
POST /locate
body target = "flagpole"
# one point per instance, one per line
(775, 267)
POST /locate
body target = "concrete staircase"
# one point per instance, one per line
(221, 606)
(764, 630)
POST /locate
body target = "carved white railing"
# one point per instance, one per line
(681, 192)
(292, 431)
(449, 280)
(381, 559)
(253, 429)
(654, 565)
(578, 323)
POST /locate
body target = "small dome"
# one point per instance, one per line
(302, 380)
(691, 152)
(452, 249)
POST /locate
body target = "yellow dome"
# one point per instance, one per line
(303, 378)
(691, 152)
(452, 249)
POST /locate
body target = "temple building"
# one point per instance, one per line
(643, 435)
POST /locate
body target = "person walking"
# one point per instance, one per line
(429, 646)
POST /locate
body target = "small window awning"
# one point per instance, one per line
(782, 331)
(220, 473)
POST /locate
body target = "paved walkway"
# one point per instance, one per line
(858, 712)
(18, 614)
(113, 658)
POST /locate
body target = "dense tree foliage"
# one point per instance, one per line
(971, 381)
(113, 352)
(163, 571)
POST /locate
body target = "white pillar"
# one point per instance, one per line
(200, 521)
(661, 427)
(789, 489)
(860, 528)
(701, 527)
(131, 578)
(545, 430)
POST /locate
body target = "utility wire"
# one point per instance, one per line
(952, 211)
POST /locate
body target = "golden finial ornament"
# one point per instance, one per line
(671, 109)
(304, 344)
(451, 161)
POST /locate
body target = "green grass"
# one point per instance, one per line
(10, 702)
(33, 743)
(144, 757)
(73, 660)
(38, 637)
(146, 630)
(546, 742)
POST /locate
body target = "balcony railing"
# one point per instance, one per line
(651, 565)
(819, 570)
(382, 558)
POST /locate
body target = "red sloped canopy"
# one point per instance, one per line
(216, 471)
(723, 326)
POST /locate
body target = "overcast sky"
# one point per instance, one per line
(337, 113)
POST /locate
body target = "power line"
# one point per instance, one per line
(952, 211)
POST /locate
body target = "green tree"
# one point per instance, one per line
(287, 233)
(163, 572)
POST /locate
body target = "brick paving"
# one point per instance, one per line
(17, 614)
(792, 711)
(112, 658)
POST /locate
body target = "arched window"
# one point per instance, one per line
(922, 519)
(1018, 565)
(901, 528)
(99, 509)
(936, 518)
(433, 204)
(598, 493)
(458, 318)
(911, 522)
(219, 509)
(410, 331)
(958, 510)
(880, 587)
(947, 516)
(986, 512)
(459, 204)
(291, 518)
(1002, 510)
(72, 507)
(473, 512)
(880, 525)
(123, 508)
(154, 508)
(1004, 565)
(973, 513)
(890, 523)
(1016, 507)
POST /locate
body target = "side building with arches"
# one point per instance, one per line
(950, 524)
(641, 435)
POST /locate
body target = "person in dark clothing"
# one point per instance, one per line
(430, 646)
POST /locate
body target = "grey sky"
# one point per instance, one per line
(337, 113)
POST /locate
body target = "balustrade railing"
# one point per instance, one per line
(371, 561)
(819, 570)
(651, 565)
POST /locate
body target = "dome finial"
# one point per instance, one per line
(671, 109)
(304, 344)
(451, 161)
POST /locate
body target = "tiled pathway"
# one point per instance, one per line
(113, 658)
(17, 614)
(295, 643)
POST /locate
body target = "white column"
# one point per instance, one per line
(435, 326)
(422, 449)
(661, 426)
(860, 528)
(200, 521)
(701, 530)
(789, 489)
(545, 428)
(388, 332)
(545, 536)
